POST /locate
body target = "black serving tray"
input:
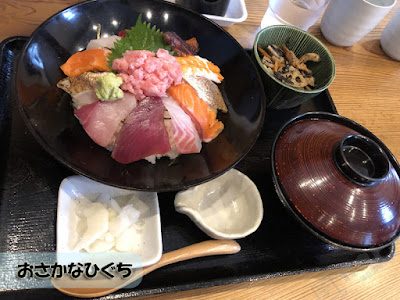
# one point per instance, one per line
(29, 181)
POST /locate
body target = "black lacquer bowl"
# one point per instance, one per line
(49, 115)
(339, 180)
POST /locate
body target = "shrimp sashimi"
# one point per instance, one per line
(88, 60)
(196, 65)
(204, 118)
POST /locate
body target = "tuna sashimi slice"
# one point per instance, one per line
(143, 133)
(102, 119)
(186, 137)
(204, 118)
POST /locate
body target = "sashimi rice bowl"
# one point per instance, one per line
(145, 94)
(139, 94)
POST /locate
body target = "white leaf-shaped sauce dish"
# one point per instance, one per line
(95, 218)
(228, 207)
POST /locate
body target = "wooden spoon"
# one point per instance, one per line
(207, 248)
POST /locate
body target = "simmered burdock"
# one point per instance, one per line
(286, 67)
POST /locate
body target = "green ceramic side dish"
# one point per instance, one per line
(281, 95)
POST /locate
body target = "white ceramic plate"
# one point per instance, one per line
(148, 242)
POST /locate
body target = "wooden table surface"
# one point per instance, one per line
(366, 89)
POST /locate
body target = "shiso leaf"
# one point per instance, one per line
(140, 37)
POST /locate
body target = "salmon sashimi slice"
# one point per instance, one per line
(84, 61)
(198, 66)
(186, 137)
(204, 118)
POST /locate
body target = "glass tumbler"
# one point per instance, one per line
(298, 13)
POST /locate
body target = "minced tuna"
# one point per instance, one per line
(146, 74)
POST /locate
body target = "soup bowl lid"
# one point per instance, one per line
(339, 180)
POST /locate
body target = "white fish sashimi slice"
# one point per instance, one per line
(103, 43)
(84, 98)
(203, 73)
(97, 225)
(199, 66)
(208, 91)
(78, 84)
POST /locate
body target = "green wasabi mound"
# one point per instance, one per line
(108, 87)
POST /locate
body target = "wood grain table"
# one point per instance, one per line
(366, 89)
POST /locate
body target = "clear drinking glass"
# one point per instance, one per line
(298, 13)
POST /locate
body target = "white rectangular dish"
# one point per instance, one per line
(144, 235)
(236, 13)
